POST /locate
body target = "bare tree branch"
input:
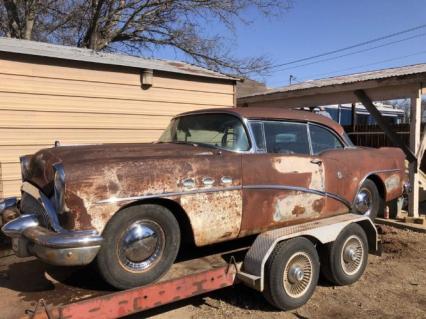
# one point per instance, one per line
(140, 26)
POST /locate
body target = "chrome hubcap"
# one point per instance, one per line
(352, 255)
(141, 245)
(298, 274)
(363, 202)
(295, 274)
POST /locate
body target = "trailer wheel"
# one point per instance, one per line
(343, 261)
(291, 273)
(140, 245)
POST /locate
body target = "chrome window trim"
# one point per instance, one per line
(309, 139)
(257, 149)
(244, 122)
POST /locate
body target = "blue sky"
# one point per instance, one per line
(313, 27)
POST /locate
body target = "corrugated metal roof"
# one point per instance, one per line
(408, 70)
(86, 55)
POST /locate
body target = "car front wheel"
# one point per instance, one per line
(140, 245)
(368, 201)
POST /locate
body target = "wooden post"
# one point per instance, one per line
(415, 121)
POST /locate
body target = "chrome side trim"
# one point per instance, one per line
(46, 203)
(168, 194)
(231, 188)
(301, 189)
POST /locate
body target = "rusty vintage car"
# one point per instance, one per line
(214, 175)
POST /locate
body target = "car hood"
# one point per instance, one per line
(40, 170)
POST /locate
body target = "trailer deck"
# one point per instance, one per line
(80, 292)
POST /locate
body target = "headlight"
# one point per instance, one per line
(59, 187)
(25, 166)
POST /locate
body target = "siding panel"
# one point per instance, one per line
(19, 119)
(75, 104)
(34, 85)
(48, 103)
(10, 171)
(10, 188)
(11, 154)
(70, 136)
(102, 74)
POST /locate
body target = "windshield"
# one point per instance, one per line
(218, 130)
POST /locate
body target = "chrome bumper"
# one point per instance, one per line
(63, 247)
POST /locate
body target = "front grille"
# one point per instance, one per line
(30, 205)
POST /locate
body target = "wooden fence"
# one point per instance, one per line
(373, 136)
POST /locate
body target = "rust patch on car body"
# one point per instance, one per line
(294, 206)
(214, 217)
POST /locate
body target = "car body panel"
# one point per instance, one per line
(232, 194)
(93, 197)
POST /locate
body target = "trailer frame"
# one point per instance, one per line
(250, 272)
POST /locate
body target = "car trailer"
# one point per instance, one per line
(282, 263)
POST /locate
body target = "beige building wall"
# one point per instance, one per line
(43, 100)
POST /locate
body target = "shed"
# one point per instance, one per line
(54, 93)
(366, 87)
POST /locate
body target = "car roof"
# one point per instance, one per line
(273, 113)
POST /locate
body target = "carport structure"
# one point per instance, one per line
(408, 82)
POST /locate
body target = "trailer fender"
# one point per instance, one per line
(324, 231)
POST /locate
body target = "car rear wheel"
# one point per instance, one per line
(291, 273)
(368, 200)
(343, 261)
(140, 245)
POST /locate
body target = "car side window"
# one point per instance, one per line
(322, 139)
(286, 137)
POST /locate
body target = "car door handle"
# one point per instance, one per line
(316, 161)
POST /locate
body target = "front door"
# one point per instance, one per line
(284, 184)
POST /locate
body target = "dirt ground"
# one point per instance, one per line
(393, 286)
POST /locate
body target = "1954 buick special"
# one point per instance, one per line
(213, 176)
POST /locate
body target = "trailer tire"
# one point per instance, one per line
(344, 261)
(285, 286)
(140, 245)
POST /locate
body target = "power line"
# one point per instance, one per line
(362, 66)
(351, 46)
(352, 53)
